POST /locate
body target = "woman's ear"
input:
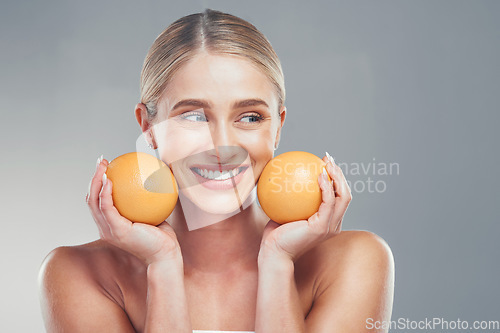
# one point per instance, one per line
(141, 114)
(282, 121)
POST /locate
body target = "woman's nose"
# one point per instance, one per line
(224, 143)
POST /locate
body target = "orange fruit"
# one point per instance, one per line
(144, 188)
(288, 188)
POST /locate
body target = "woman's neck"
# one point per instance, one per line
(220, 247)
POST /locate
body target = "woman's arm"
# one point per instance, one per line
(278, 305)
(354, 287)
(74, 298)
(167, 302)
(159, 249)
(344, 292)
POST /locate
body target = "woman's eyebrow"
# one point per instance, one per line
(200, 103)
(192, 102)
(249, 102)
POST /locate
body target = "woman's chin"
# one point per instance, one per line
(213, 207)
(218, 202)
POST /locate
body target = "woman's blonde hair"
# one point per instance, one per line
(213, 32)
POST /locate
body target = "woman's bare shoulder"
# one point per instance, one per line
(80, 287)
(95, 265)
(70, 258)
(353, 279)
(82, 256)
(89, 260)
(81, 251)
(352, 242)
(346, 255)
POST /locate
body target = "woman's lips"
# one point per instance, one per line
(221, 177)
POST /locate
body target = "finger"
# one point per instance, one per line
(321, 220)
(338, 228)
(342, 191)
(93, 197)
(118, 225)
(337, 185)
(330, 168)
(95, 181)
(270, 226)
(340, 185)
(166, 227)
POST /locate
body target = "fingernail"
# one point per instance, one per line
(330, 158)
(325, 174)
(99, 160)
(104, 179)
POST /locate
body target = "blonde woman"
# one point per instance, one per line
(212, 96)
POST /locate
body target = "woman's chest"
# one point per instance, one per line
(214, 302)
(219, 303)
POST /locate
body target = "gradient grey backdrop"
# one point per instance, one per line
(408, 82)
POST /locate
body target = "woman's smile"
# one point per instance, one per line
(219, 177)
(218, 124)
(217, 172)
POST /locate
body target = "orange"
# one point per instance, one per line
(288, 188)
(144, 188)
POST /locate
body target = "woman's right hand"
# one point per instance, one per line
(147, 242)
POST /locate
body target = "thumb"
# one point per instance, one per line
(270, 226)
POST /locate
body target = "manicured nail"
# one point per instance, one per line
(330, 158)
(325, 175)
(104, 179)
(99, 160)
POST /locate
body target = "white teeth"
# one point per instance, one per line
(217, 175)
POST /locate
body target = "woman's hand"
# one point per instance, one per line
(291, 240)
(148, 243)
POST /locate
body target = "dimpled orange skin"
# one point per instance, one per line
(288, 188)
(144, 188)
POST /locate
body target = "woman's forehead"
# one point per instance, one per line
(219, 79)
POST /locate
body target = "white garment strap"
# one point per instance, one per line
(198, 331)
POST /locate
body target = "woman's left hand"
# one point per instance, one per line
(291, 240)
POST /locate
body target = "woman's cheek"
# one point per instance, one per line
(177, 143)
(261, 141)
(260, 147)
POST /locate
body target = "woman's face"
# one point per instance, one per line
(216, 127)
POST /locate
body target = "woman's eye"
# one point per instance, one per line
(253, 118)
(194, 116)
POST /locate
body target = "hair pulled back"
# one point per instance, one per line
(213, 32)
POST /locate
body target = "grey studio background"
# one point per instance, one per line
(415, 83)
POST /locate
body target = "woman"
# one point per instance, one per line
(212, 96)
